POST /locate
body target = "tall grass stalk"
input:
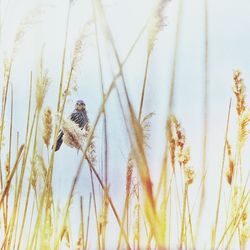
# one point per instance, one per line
(221, 178)
(63, 56)
(88, 221)
(163, 174)
(105, 127)
(10, 176)
(95, 208)
(82, 223)
(9, 154)
(205, 116)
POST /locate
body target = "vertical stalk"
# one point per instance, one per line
(139, 119)
(104, 121)
(10, 147)
(183, 221)
(63, 58)
(205, 118)
(87, 231)
(29, 184)
(173, 75)
(221, 179)
(143, 88)
(82, 223)
(95, 208)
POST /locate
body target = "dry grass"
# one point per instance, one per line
(145, 217)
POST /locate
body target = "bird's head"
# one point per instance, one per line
(80, 105)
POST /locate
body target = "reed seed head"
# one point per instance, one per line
(189, 175)
(239, 90)
(171, 140)
(231, 167)
(47, 126)
(129, 175)
(245, 231)
(73, 134)
(156, 23)
(243, 130)
(146, 125)
(41, 88)
(184, 156)
(34, 175)
(24, 25)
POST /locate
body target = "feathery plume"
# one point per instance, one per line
(73, 134)
(171, 140)
(230, 169)
(34, 175)
(80, 45)
(243, 130)
(47, 126)
(156, 23)
(177, 140)
(189, 175)
(184, 155)
(181, 138)
(79, 48)
(24, 25)
(183, 149)
(41, 87)
(146, 125)
(239, 90)
(129, 175)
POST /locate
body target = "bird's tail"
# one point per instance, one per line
(59, 140)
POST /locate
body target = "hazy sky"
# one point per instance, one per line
(228, 46)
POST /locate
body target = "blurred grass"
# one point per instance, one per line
(151, 224)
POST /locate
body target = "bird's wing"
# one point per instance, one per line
(59, 140)
(77, 118)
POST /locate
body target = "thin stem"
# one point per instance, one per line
(10, 176)
(87, 231)
(95, 207)
(221, 178)
(63, 57)
(183, 221)
(143, 88)
(82, 222)
(205, 118)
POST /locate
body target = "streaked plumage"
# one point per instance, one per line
(79, 116)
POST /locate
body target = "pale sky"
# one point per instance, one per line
(228, 46)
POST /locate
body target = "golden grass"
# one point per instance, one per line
(144, 218)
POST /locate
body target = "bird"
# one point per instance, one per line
(79, 116)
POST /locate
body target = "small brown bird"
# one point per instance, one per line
(79, 116)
